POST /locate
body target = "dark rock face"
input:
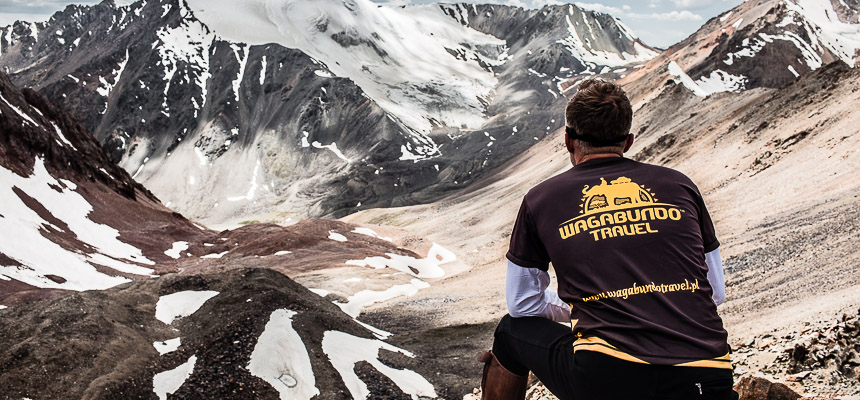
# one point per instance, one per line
(99, 344)
(221, 130)
(33, 132)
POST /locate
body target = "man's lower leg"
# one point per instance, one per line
(498, 383)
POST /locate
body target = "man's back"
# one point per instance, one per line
(636, 257)
(627, 241)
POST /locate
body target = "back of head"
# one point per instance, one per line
(600, 115)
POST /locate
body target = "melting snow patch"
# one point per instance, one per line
(720, 81)
(283, 253)
(216, 255)
(364, 298)
(379, 333)
(177, 249)
(181, 304)
(406, 155)
(370, 232)
(63, 137)
(793, 71)
(421, 268)
(320, 292)
(281, 359)
(685, 79)
(167, 382)
(332, 147)
(336, 236)
(18, 110)
(166, 346)
(2, 307)
(345, 350)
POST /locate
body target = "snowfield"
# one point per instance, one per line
(22, 239)
(181, 304)
(405, 67)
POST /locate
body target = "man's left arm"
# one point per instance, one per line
(527, 295)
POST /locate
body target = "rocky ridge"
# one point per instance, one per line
(70, 225)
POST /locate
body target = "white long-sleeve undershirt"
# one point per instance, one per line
(527, 295)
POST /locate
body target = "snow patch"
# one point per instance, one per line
(370, 232)
(332, 147)
(216, 255)
(364, 298)
(63, 137)
(168, 382)
(175, 251)
(336, 236)
(181, 304)
(420, 268)
(345, 350)
(166, 346)
(18, 110)
(281, 359)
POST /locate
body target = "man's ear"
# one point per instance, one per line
(568, 142)
(628, 143)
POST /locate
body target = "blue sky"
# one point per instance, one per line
(657, 22)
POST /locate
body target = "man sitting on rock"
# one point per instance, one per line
(639, 275)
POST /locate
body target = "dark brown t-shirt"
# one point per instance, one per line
(628, 242)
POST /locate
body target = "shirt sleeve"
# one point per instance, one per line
(526, 248)
(709, 234)
(526, 295)
(715, 276)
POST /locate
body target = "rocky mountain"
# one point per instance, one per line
(71, 219)
(761, 43)
(323, 108)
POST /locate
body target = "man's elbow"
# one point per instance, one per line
(719, 298)
(525, 309)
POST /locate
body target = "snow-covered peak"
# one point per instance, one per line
(420, 66)
(841, 38)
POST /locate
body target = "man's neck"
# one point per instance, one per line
(581, 159)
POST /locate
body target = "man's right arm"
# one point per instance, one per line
(715, 275)
(527, 295)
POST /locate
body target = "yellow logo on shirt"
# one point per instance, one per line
(618, 208)
(618, 194)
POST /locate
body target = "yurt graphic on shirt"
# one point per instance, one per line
(618, 194)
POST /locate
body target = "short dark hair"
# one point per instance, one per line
(600, 110)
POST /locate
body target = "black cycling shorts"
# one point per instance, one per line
(545, 348)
